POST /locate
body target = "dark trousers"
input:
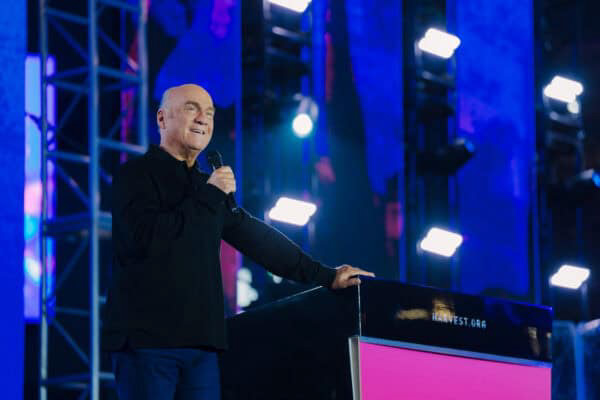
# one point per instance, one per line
(166, 374)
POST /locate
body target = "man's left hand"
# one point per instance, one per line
(347, 275)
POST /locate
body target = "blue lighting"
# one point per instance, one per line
(31, 227)
(493, 64)
(596, 179)
(33, 185)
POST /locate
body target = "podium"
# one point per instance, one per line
(388, 340)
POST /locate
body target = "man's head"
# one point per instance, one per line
(186, 119)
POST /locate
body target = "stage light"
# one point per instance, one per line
(574, 107)
(441, 242)
(33, 186)
(294, 5)
(33, 269)
(447, 159)
(302, 125)
(570, 276)
(439, 43)
(292, 211)
(563, 89)
(246, 294)
(584, 185)
(276, 279)
(306, 112)
(589, 178)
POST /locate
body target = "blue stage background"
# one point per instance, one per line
(495, 88)
(12, 163)
(375, 41)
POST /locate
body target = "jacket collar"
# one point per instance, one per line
(165, 158)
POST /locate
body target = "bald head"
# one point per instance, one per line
(175, 91)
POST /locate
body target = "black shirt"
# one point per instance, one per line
(167, 227)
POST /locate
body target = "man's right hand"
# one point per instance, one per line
(223, 178)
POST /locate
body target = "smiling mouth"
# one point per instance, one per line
(198, 131)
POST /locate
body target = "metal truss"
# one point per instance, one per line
(573, 352)
(430, 125)
(288, 46)
(93, 80)
(278, 62)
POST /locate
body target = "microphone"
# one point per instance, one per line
(216, 161)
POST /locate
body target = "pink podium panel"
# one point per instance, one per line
(393, 373)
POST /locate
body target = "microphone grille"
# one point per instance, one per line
(214, 159)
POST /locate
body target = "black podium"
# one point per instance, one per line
(388, 340)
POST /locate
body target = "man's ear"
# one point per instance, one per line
(160, 118)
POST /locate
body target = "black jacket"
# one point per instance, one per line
(167, 226)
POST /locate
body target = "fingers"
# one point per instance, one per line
(350, 282)
(353, 282)
(224, 179)
(350, 271)
(348, 275)
(359, 271)
(226, 175)
(224, 172)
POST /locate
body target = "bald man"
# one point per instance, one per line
(165, 318)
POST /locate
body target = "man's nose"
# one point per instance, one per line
(200, 119)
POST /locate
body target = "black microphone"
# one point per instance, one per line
(216, 161)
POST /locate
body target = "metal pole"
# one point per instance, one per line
(94, 196)
(535, 236)
(585, 308)
(239, 143)
(143, 75)
(44, 179)
(318, 30)
(578, 354)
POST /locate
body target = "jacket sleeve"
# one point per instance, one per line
(140, 222)
(267, 246)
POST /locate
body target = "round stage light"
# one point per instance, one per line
(302, 125)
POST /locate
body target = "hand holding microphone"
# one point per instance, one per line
(222, 177)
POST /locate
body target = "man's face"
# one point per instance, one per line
(187, 118)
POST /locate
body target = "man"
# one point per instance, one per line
(165, 312)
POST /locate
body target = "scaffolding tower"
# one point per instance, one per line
(98, 80)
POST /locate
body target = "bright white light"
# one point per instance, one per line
(276, 279)
(439, 43)
(567, 84)
(246, 294)
(563, 89)
(573, 107)
(302, 125)
(292, 211)
(556, 93)
(294, 5)
(440, 241)
(570, 276)
(33, 269)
